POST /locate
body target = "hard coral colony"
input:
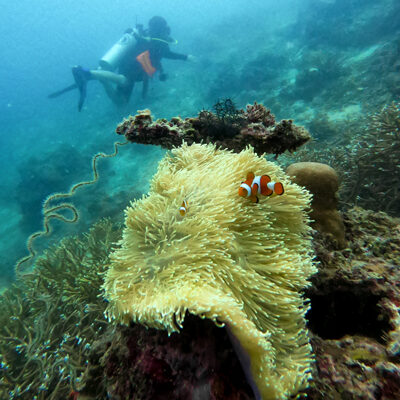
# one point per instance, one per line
(255, 127)
(237, 263)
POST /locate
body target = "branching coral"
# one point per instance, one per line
(387, 122)
(374, 173)
(50, 317)
(367, 161)
(256, 127)
(225, 122)
(228, 259)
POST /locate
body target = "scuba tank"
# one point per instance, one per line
(112, 58)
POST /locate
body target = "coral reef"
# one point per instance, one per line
(225, 122)
(50, 317)
(373, 174)
(366, 159)
(54, 340)
(233, 130)
(356, 23)
(384, 62)
(323, 70)
(322, 182)
(229, 260)
(319, 70)
(354, 368)
(52, 211)
(354, 316)
(197, 363)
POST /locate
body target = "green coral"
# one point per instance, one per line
(50, 317)
(366, 159)
(374, 171)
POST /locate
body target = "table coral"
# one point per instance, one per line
(229, 260)
(256, 127)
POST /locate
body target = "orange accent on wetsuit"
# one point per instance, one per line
(144, 60)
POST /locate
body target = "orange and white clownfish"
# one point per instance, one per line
(254, 185)
(184, 208)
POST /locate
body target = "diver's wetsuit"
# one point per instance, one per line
(132, 69)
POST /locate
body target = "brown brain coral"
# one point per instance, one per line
(228, 259)
(323, 182)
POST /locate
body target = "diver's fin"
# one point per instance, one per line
(82, 97)
(62, 91)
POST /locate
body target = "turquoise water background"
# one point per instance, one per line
(311, 61)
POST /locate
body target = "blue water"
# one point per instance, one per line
(307, 60)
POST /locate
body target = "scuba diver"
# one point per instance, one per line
(136, 57)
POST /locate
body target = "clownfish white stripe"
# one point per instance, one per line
(257, 181)
(247, 188)
(271, 185)
(183, 208)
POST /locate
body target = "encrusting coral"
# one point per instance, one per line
(229, 260)
(199, 363)
(357, 343)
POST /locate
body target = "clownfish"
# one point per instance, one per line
(184, 208)
(254, 185)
